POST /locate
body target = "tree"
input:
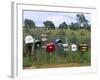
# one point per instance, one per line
(29, 23)
(49, 25)
(63, 26)
(82, 21)
(74, 26)
(88, 27)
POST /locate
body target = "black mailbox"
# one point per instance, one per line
(37, 44)
(58, 41)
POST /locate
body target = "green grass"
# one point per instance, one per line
(78, 57)
(42, 58)
(27, 62)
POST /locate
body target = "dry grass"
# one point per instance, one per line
(55, 65)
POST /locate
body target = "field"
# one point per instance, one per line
(59, 58)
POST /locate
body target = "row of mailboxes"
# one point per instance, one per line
(51, 47)
(74, 47)
(81, 47)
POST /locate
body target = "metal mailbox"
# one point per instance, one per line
(50, 47)
(83, 47)
(73, 47)
(65, 46)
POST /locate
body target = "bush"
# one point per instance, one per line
(61, 32)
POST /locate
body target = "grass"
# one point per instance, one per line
(74, 58)
(44, 60)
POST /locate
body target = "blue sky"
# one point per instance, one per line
(56, 17)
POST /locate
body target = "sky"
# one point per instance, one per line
(56, 17)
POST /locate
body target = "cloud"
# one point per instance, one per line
(56, 17)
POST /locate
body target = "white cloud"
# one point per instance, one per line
(56, 17)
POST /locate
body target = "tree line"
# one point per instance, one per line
(82, 23)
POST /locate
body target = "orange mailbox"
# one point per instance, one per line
(83, 47)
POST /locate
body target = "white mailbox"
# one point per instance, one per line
(65, 46)
(29, 39)
(74, 47)
(44, 39)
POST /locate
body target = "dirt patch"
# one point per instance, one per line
(54, 65)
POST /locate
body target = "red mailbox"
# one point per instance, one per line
(50, 47)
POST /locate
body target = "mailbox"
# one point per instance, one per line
(73, 47)
(65, 46)
(50, 48)
(83, 47)
(58, 42)
(43, 37)
(29, 39)
(37, 44)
